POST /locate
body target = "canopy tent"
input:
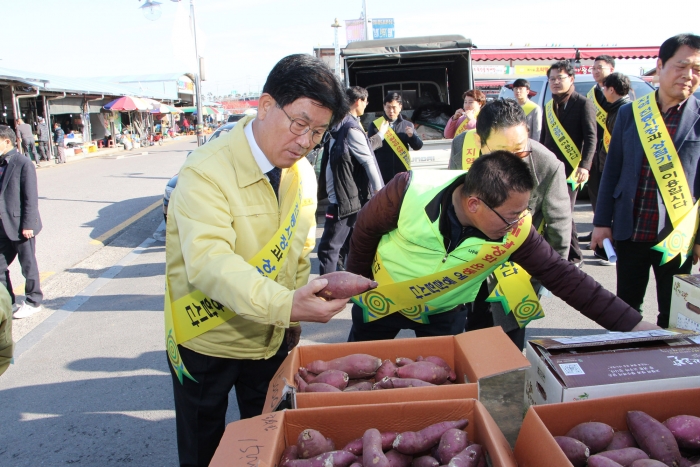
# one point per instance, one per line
(563, 53)
(127, 104)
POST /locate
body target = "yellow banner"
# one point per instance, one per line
(669, 175)
(470, 151)
(601, 116)
(563, 140)
(410, 297)
(528, 107)
(393, 139)
(194, 314)
(539, 70)
(515, 293)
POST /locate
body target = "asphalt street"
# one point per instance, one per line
(91, 384)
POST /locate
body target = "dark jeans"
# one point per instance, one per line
(594, 184)
(633, 262)
(200, 407)
(575, 255)
(26, 250)
(449, 323)
(335, 233)
(44, 153)
(29, 149)
(481, 317)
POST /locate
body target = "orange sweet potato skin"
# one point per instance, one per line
(342, 284)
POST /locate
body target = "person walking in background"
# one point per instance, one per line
(58, 139)
(465, 118)
(533, 112)
(42, 131)
(21, 223)
(24, 130)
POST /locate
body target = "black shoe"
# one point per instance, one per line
(585, 238)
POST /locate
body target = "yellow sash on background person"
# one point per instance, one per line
(393, 139)
(564, 142)
(601, 116)
(195, 313)
(470, 150)
(410, 297)
(670, 178)
(528, 107)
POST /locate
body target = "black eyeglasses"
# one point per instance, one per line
(299, 127)
(520, 154)
(509, 225)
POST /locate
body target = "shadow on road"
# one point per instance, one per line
(125, 302)
(147, 360)
(130, 271)
(113, 214)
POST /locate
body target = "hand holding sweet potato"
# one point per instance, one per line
(343, 285)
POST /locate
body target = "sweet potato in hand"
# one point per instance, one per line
(342, 284)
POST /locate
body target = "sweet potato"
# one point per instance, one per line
(321, 387)
(355, 446)
(372, 453)
(621, 440)
(396, 459)
(654, 438)
(311, 443)
(441, 363)
(426, 371)
(306, 375)
(471, 456)
(452, 442)
(336, 378)
(574, 450)
(356, 365)
(624, 456)
(397, 383)
(333, 458)
(402, 361)
(425, 461)
(301, 384)
(686, 430)
(388, 368)
(290, 453)
(413, 442)
(595, 435)
(356, 464)
(600, 461)
(342, 284)
(363, 386)
(647, 463)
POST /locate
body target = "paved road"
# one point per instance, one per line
(91, 384)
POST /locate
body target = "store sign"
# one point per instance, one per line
(382, 28)
(492, 69)
(531, 70)
(584, 70)
(354, 30)
(185, 86)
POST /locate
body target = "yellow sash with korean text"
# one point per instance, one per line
(410, 297)
(393, 139)
(564, 142)
(470, 151)
(194, 314)
(528, 107)
(601, 116)
(668, 172)
(462, 127)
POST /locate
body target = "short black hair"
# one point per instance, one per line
(670, 46)
(8, 133)
(619, 82)
(499, 114)
(521, 83)
(494, 176)
(354, 93)
(393, 96)
(562, 65)
(607, 59)
(301, 75)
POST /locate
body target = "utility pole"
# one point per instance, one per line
(364, 18)
(336, 45)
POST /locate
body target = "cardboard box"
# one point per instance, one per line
(685, 302)
(603, 365)
(536, 447)
(259, 441)
(473, 355)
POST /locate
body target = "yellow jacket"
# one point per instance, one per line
(6, 344)
(221, 214)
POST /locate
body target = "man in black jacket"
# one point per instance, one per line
(390, 162)
(349, 175)
(575, 115)
(19, 213)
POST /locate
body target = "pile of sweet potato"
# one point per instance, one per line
(442, 444)
(362, 372)
(648, 443)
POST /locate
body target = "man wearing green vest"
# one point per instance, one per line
(533, 112)
(430, 238)
(647, 202)
(241, 226)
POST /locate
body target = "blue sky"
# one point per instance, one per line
(243, 40)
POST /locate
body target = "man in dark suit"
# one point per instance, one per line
(631, 207)
(576, 115)
(19, 213)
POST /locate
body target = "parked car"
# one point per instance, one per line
(222, 130)
(235, 117)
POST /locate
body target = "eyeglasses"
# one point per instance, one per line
(509, 225)
(558, 79)
(601, 68)
(299, 127)
(520, 154)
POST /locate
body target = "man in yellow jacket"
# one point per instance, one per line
(241, 224)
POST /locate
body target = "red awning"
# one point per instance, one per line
(589, 53)
(553, 53)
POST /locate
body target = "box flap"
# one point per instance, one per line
(488, 352)
(257, 441)
(613, 338)
(535, 446)
(492, 437)
(692, 279)
(282, 382)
